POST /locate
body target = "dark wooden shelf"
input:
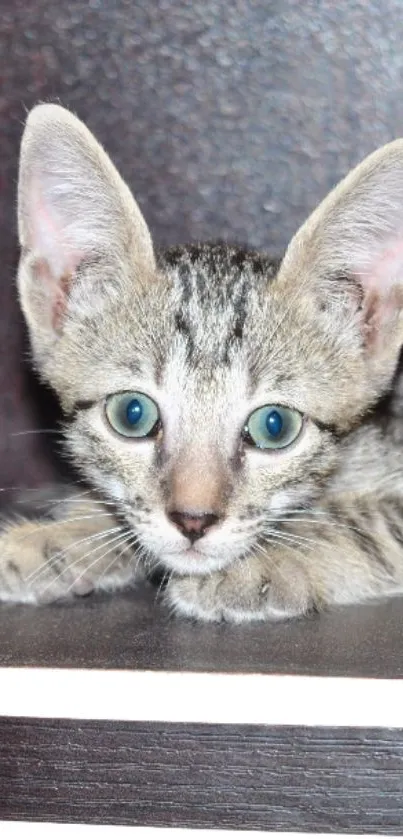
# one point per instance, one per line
(161, 772)
(134, 631)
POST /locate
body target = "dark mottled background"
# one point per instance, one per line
(229, 120)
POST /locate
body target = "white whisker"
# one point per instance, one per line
(113, 543)
(114, 540)
(60, 554)
(35, 431)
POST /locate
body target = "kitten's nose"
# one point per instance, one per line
(192, 526)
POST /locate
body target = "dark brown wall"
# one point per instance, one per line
(229, 120)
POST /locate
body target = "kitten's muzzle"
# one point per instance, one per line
(193, 526)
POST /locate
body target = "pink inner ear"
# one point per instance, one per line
(57, 260)
(54, 293)
(386, 271)
(47, 236)
(382, 282)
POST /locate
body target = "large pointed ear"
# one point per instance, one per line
(74, 212)
(349, 254)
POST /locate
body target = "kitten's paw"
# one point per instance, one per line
(248, 590)
(33, 567)
(41, 562)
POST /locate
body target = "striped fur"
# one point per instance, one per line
(211, 332)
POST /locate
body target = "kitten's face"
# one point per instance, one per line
(242, 379)
(210, 343)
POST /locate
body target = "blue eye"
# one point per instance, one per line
(274, 424)
(273, 427)
(132, 414)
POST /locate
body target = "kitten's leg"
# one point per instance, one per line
(348, 553)
(82, 548)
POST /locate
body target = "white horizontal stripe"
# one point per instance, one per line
(38, 830)
(200, 697)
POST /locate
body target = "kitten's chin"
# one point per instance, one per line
(192, 561)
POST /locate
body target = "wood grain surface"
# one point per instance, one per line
(329, 780)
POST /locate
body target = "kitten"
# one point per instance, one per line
(239, 419)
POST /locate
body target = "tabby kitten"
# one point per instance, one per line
(238, 419)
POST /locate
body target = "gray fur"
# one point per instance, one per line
(211, 333)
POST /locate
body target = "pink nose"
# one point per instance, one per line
(193, 527)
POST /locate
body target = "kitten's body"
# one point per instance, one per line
(210, 334)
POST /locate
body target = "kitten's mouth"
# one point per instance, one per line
(192, 553)
(184, 556)
(191, 560)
